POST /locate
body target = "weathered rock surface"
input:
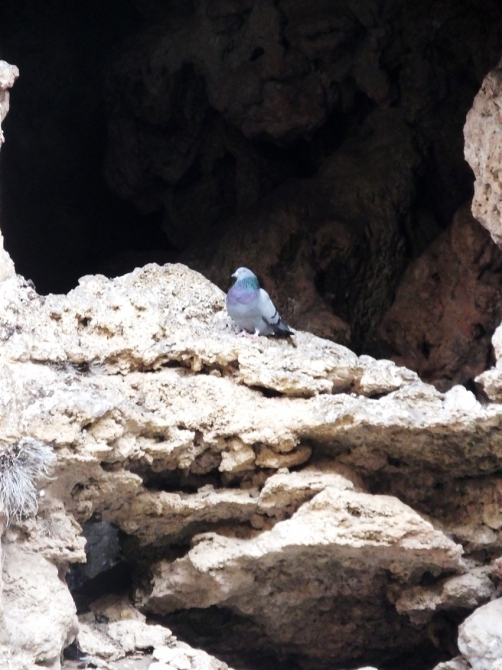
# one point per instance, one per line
(448, 305)
(491, 380)
(483, 132)
(457, 663)
(334, 508)
(8, 75)
(38, 615)
(115, 630)
(464, 591)
(183, 435)
(366, 541)
(480, 636)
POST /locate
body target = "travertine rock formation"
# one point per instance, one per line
(483, 133)
(243, 473)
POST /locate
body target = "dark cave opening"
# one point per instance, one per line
(59, 219)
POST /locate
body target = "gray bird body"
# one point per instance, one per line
(251, 307)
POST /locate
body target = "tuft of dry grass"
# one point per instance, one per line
(22, 465)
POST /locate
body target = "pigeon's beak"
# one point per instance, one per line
(234, 275)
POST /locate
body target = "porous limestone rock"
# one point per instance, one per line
(169, 426)
(483, 134)
(463, 591)
(491, 380)
(183, 657)
(480, 636)
(8, 75)
(119, 631)
(32, 589)
(342, 546)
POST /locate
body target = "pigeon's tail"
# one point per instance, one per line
(280, 327)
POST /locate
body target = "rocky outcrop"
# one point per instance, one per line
(282, 482)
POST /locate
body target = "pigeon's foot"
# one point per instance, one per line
(244, 333)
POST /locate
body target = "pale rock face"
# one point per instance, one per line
(124, 632)
(345, 540)
(167, 425)
(466, 591)
(480, 637)
(141, 384)
(483, 135)
(8, 75)
(32, 586)
(483, 152)
(491, 380)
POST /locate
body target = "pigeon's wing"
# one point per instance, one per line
(271, 316)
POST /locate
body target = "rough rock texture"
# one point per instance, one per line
(448, 305)
(483, 132)
(480, 636)
(116, 636)
(183, 435)
(457, 663)
(38, 617)
(8, 75)
(367, 541)
(464, 591)
(491, 380)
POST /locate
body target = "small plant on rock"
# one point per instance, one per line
(22, 465)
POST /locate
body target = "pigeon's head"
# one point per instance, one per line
(246, 279)
(243, 273)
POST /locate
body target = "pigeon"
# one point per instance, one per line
(251, 308)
